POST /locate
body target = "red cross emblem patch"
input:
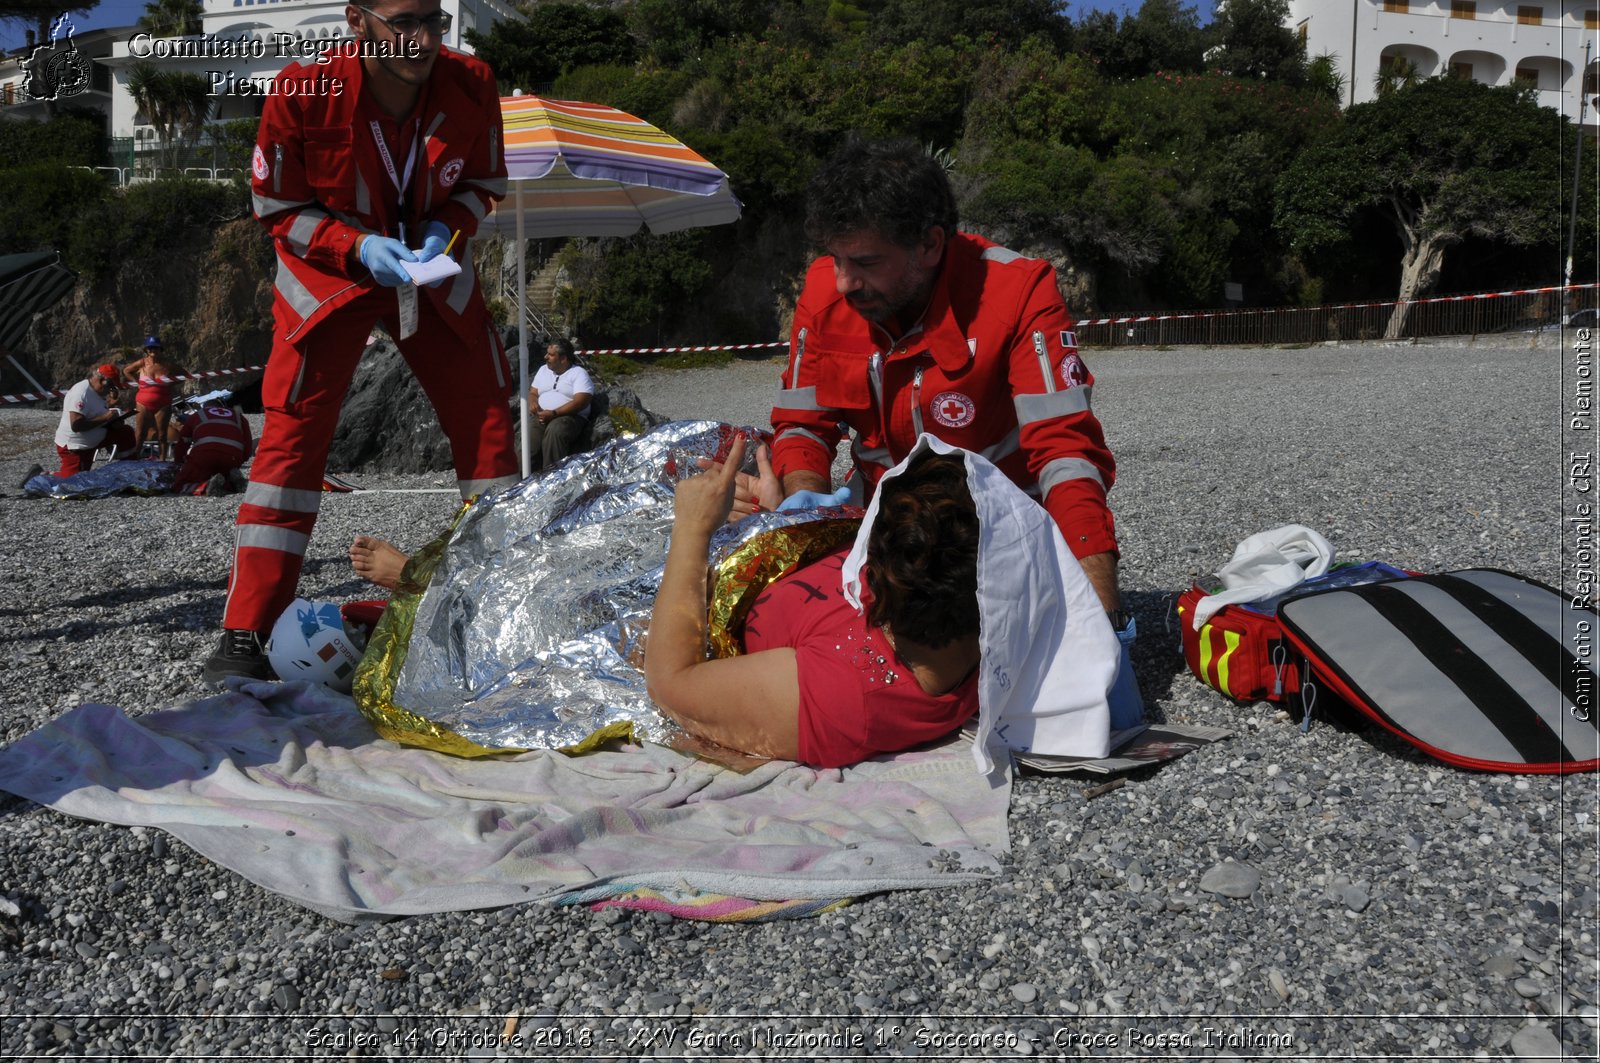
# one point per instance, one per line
(953, 409)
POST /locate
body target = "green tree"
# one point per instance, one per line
(1165, 181)
(1162, 36)
(175, 102)
(1004, 22)
(1448, 159)
(172, 18)
(1254, 42)
(529, 53)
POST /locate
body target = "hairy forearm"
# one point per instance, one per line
(804, 480)
(1102, 572)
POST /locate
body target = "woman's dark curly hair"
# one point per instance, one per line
(922, 553)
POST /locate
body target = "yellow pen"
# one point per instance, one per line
(455, 236)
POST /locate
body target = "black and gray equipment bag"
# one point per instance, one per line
(1479, 668)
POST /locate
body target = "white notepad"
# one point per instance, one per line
(436, 268)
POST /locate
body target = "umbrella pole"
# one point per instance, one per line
(522, 336)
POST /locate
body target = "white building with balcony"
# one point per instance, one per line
(1540, 42)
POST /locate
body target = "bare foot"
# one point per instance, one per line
(377, 561)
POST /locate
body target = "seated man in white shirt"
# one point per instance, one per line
(561, 394)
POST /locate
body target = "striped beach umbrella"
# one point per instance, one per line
(29, 284)
(586, 169)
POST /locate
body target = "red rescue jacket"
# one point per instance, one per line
(213, 426)
(992, 368)
(319, 182)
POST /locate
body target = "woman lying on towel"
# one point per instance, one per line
(956, 597)
(819, 682)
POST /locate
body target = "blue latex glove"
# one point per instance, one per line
(435, 238)
(383, 256)
(814, 500)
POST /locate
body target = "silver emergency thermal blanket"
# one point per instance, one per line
(527, 634)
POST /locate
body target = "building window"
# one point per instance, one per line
(1461, 70)
(1400, 7)
(1528, 76)
(1464, 9)
(1530, 16)
(1591, 19)
(1303, 31)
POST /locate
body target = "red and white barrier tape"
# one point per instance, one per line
(202, 375)
(1128, 320)
(1203, 314)
(677, 350)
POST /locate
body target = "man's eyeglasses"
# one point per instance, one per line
(437, 23)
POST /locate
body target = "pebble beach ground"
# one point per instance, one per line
(1278, 895)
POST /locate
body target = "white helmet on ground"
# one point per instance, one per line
(309, 642)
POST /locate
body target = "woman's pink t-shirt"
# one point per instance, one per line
(856, 697)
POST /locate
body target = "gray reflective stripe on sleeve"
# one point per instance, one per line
(469, 488)
(265, 206)
(996, 452)
(1063, 469)
(798, 399)
(363, 194)
(267, 537)
(284, 499)
(297, 295)
(472, 202)
(876, 455)
(501, 366)
(302, 229)
(1031, 409)
(461, 287)
(801, 433)
(1000, 254)
(494, 149)
(495, 186)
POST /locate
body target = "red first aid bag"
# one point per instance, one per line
(1241, 650)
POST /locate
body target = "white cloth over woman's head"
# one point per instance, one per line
(1048, 654)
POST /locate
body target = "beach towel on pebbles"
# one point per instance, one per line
(289, 786)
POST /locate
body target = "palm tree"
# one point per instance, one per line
(1396, 73)
(172, 18)
(176, 103)
(1322, 74)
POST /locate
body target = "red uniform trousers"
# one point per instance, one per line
(303, 391)
(204, 462)
(118, 436)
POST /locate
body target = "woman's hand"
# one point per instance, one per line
(752, 494)
(703, 502)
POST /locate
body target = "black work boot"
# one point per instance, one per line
(241, 653)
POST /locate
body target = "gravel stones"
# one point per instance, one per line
(1104, 909)
(1231, 880)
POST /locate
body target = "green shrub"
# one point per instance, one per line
(43, 203)
(77, 138)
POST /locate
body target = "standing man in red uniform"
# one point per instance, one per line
(379, 153)
(907, 325)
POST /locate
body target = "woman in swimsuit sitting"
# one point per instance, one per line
(153, 401)
(819, 682)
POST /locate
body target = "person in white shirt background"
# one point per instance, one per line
(562, 392)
